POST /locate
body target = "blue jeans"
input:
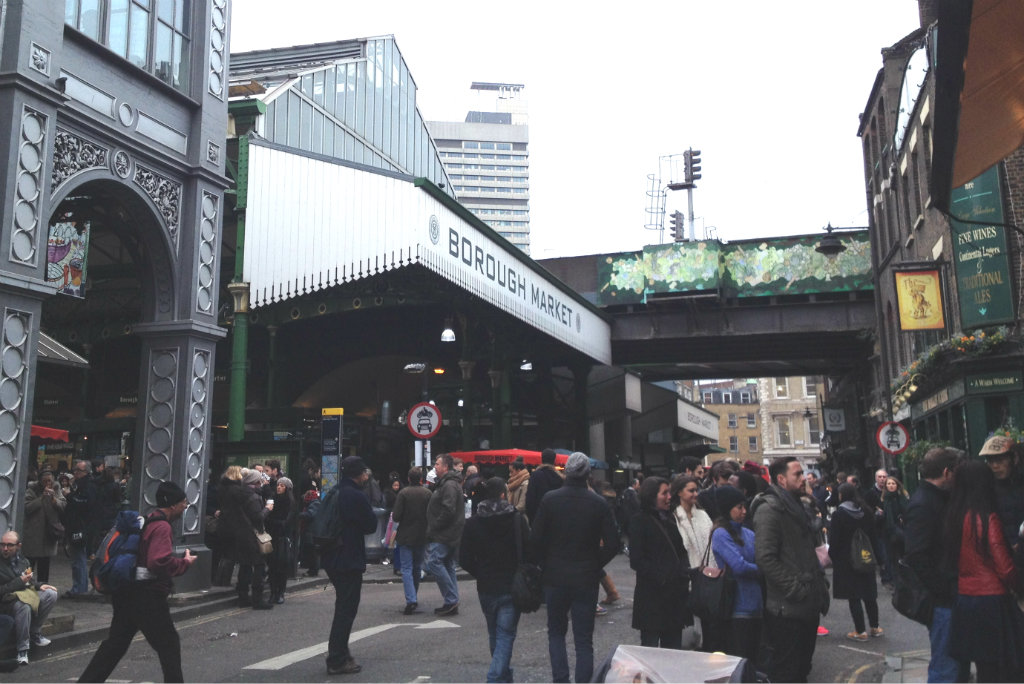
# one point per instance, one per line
(943, 667)
(441, 564)
(578, 601)
(79, 569)
(410, 562)
(502, 621)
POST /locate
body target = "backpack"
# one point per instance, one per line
(325, 524)
(862, 553)
(118, 554)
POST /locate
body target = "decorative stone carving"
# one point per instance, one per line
(28, 187)
(197, 440)
(72, 154)
(40, 59)
(165, 193)
(218, 43)
(206, 268)
(158, 439)
(122, 164)
(213, 152)
(14, 359)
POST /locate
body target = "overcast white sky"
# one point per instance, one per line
(769, 92)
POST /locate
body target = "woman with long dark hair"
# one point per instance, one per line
(895, 502)
(733, 545)
(662, 581)
(987, 626)
(279, 523)
(858, 587)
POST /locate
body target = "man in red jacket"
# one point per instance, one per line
(142, 605)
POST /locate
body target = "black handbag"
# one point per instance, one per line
(910, 598)
(527, 585)
(712, 590)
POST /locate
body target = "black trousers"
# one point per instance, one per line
(667, 638)
(792, 644)
(140, 607)
(348, 588)
(41, 569)
(745, 638)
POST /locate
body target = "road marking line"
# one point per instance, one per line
(861, 650)
(437, 624)
(283, 661)
(858, 671)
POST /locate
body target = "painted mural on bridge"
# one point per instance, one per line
(746, 268)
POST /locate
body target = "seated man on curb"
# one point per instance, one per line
(24, 599)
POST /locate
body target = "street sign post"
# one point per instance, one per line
(892, 437)
(424, 421)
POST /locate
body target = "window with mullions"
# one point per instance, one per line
(151, 34)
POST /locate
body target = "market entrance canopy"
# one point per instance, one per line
(313, 223)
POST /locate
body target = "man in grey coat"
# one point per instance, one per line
(446, 516)
(784, 543)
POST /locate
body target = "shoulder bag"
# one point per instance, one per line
(527, 585)
(712, 590)
(264, 541)
(910, 598)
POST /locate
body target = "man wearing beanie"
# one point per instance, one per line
(542, 480)
(142, 605)
(573, 538)
(346, 562)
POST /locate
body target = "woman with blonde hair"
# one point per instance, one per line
(895, 502)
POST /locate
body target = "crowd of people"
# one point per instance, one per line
(773, 531)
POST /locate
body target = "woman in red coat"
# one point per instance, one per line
(987, 626)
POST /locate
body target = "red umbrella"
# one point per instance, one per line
(49, 434)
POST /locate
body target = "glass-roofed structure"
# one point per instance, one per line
(353, 100)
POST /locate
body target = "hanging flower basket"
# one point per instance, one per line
(959, 346)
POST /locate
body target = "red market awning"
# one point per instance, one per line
(506, 456)
(52, 434)
(498, 456)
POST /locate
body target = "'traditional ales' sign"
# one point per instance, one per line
(982, 266)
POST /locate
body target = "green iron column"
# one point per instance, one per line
(240, 294)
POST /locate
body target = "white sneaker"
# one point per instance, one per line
(40, 640)
(23, 657)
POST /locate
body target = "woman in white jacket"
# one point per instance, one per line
(694, 527)
(693, 523)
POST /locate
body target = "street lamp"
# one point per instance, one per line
(830, 245)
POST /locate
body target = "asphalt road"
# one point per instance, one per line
(289, 643)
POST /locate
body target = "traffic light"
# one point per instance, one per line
(678, 226)
(691, 165)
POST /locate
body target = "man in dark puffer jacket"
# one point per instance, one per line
(488, 553)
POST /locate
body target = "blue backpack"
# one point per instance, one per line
(325, 525)
(118, 554)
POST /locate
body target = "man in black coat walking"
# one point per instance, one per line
(542, 480)
(926, 554)
(573, 538)
(346, 563)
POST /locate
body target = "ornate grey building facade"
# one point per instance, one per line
(118, 115)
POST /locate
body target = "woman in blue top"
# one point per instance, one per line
(733, 546)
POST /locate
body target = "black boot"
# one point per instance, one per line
(243, 599)
(258, 600)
